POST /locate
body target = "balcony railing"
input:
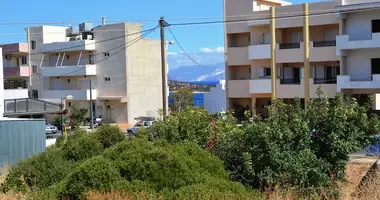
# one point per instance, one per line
(292, 81)
(290, 46)
(325, 80)
(324, 43)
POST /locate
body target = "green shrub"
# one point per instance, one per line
(38, 172)
(97, 173)
(165, 166)
(60, 141)
(81, 146)
(109, 135)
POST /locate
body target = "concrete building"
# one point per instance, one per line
(16, 70)
(215, 100)
(126, 82)
(339, 42)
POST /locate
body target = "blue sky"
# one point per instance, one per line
(192, 38)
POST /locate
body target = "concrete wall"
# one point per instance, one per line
(358, 63)
(15, 93)
(358, 25)
(216, 101)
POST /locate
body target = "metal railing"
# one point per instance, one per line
(29, 106)
(293, 81)
(14, 84)
(325, 80)
(290, 46)
(324, 43)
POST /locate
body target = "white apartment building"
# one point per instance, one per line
(215, 100)
(343, 46)
(126, 83)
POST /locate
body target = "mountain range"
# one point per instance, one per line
(197, 73)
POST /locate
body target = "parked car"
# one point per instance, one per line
(141, 124)
(50, 129)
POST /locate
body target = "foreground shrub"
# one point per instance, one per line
(96, 173)
(38, 172)
(109, 135)
(81, 146)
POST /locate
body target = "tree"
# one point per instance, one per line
(77, 117)
(182, 99)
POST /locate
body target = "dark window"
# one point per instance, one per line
(67, 56)
(68, 80)
(34, 69)
(23, 60)
(107, 78)
(267, 71)
(33, 43)
(69, 104)
(376, 26)
(35, 94)
(375, 65)
(106, 54)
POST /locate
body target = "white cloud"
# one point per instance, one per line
(171, 53)
(210, 50)
(206, 50)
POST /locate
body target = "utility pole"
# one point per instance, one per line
(273, 51)
(163, 68)
(91, 115)
(306, 55)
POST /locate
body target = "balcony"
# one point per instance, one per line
(343, 42)
(263, 86)
(15, 94)
(238, 89)
(238, 56)
(77, 45)
(322, 51)
(290, 81)
(290, 46)
(345, 82)
(14, 72)
(74, 70)
(261, 51)
(78, 95)
(289, 52)
(324, 81)
(260, 86)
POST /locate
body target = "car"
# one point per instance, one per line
(141, 124)
(50, 129)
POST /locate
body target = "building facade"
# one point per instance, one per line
(215, 100)
(16, 70)
(341, 46)
(125, 77)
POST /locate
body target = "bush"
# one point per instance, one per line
(109, 135)
(38, 172)
(97, 173)
(81, 146)
(163, 166)
(60, 141)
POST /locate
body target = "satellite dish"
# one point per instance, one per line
(69, 97)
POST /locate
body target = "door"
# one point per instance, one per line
(296, 37)
(375, 65)
(376, 26)
(296, 75)
(266, 38)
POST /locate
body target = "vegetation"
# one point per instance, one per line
(181, 99)
(77, 116)
(194, 155)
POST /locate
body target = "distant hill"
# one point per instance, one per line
(196, 73)
(201, 87)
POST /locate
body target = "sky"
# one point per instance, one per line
(204, 43)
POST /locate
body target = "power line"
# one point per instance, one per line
(179, 44)
(95, 42)
(126, 46)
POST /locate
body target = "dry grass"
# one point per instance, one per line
(370, 188)
(9, 196)
(355, 173)
(118, 196)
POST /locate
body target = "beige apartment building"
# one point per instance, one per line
(126, 81)
(344, 50)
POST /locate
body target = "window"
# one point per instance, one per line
(34, 69)
(375, 65)
(376, 26)
(68, 80)
(33, 44)
(35, 94)
(107, 78)
(266, 38)
(106, 54)
(267, 71)
(67, 56)
(24, 60)
(69, 104)
(90, 59)
(296, 37)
